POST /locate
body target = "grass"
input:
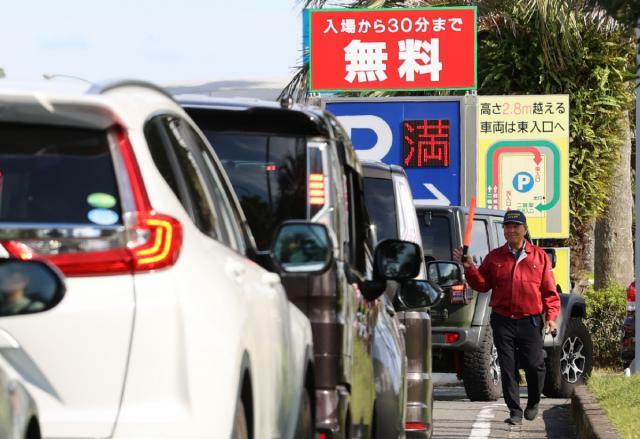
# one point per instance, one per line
(619, 396)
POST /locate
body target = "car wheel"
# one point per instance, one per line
(240, 427)
(481, 370)
(571, 363)
(305, 418)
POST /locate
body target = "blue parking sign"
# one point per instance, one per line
(421, 136)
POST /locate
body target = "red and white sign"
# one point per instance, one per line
(393, 49)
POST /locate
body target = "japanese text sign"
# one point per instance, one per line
(422, 136)
(523, 159)
(392, 49)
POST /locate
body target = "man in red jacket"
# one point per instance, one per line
(523, 289)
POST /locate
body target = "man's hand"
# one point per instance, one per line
(549, 326)
(457, 256)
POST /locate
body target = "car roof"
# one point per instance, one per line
(192, 100)
(78, 104)
(376, 169)
(264, 116)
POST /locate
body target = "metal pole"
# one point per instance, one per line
(637, 249)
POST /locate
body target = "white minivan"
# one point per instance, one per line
(167, 329)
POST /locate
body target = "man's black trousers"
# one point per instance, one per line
(519, 344)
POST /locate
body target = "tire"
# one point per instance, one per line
(481, 371)
(240, 426)
(571, 364)
(305, 427)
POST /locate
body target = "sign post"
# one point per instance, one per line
(523, 159)
(392, 49)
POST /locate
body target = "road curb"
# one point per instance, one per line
(591, 420)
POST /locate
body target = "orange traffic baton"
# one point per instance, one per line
(469, 228)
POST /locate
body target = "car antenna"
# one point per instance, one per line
(50, 76)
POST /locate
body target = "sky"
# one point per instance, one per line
(167, 42)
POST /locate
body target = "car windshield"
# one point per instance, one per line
(268, 174)
(381, 204)
(53, 174)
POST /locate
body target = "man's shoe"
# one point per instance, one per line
(514, 420)
(530, 413)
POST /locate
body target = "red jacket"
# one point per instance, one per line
(518, 290)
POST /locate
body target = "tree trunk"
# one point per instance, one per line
(613, 240)
(580, 243)
(589, 238)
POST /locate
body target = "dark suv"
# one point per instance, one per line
(297, 163)
(462, 337)
(390, 204)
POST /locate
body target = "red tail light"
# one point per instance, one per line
(631, 297)
(451, 337)
(457, 294)
(153, 240)
(18, 250)
(416, 426)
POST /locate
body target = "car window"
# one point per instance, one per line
(358, 223)
(436, 238)
(177, 163)
(57, 174)
(479, 246)
(223, 201)
(381, 205)
(269, 176)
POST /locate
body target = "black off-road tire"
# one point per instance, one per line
(240, 426)
(305, 428)
(577, 340)
(481, 372)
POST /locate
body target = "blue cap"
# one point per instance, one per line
(515, 216)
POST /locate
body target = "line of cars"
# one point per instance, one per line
(222, 274)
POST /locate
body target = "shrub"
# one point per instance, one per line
(605, 314)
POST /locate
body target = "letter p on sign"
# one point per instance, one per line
(523, 182)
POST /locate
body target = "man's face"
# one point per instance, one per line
(514, 233)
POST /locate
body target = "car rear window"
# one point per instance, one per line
(436, 238)
(53, 174)
(269, 175)
(381, 204)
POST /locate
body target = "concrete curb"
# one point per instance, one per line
(591, 421)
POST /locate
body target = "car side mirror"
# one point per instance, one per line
(445, 273)
(397, 260)
(415, 293)
(302, 247)
(552, 256)
(28, 287)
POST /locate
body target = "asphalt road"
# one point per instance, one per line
(457, 417)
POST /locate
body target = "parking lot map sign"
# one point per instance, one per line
(423, 137)
(523, 159)
(392, 49)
